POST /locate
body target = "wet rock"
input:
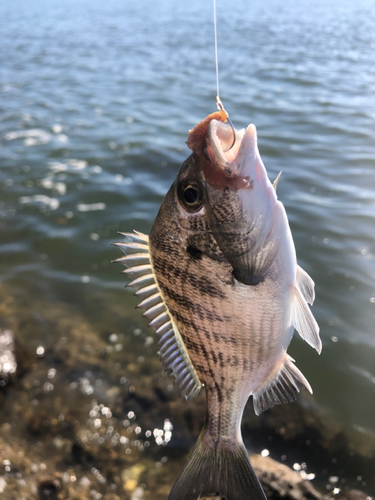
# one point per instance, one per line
(351, 495)
(281, 482)
(130, 477)
(49, 488)
(111, 426)
(81, 456)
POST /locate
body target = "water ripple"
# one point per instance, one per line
(94, 113)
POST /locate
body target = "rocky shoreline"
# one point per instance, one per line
(82, 418)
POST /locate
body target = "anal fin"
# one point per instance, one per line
(281, 387)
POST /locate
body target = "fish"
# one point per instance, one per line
(219, 281)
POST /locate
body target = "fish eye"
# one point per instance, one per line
(191, 196)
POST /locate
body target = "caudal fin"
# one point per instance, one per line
(218, 470)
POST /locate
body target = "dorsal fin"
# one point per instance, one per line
(172, 350)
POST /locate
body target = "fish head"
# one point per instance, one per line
(222, 202)
(225, 186)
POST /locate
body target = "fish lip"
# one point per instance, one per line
(230, 159)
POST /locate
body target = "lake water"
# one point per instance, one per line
(96, 100)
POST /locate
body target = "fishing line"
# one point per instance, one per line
(218, 100)
(216, 58)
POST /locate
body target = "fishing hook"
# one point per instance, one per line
(221, 108)
(234, 134)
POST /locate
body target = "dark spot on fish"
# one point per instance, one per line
(219, 393)
(248, 279)
(175, 296)
(232, 340)
(205, 286)
(201, 369)
(221, 359)
(200, 311)
(177, 315)
(176, 272)
(216, 337)
(192, 346)
(219, 339)
(210, 371)
(198, 224)
(214, 357)
(246, 364)
(205, 333)
(194, 253)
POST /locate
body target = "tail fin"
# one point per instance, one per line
(219, 470)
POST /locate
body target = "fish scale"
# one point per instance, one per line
(192, 326)
(219, 281)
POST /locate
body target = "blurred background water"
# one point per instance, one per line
(96, 100)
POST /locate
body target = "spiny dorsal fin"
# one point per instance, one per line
(282, 386)
(173, 353)
(276, 181)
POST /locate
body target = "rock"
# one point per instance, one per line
(49, 488)
(130, 477)
(281, 482)
(351, 495)
(80, 414)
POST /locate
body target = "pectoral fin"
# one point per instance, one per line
(282, 386)
(306, 285)
(303, 319)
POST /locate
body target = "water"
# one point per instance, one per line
(96, 102)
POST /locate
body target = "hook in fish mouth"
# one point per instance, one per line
(230, 149)
(221, 108)
(234, 134)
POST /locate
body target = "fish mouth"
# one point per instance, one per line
(237, 182)
(231, 154)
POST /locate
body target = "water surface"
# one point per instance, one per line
(96, 102)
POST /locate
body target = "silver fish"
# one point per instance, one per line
(219, 280)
